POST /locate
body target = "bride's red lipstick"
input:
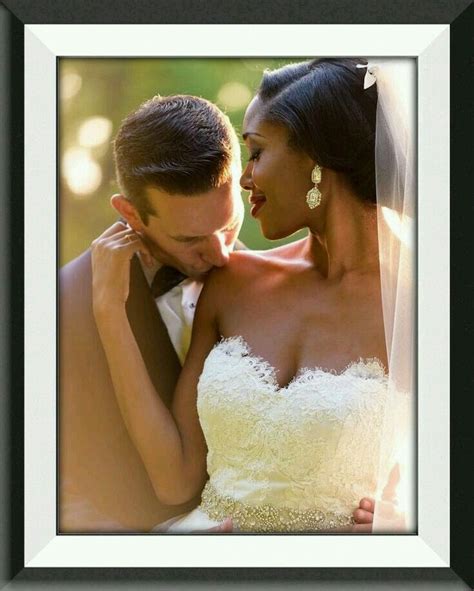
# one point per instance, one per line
(257, 202)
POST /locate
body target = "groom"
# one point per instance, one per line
(178, 166)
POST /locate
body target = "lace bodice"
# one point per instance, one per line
(310, 448)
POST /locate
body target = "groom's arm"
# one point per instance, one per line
(95, 450)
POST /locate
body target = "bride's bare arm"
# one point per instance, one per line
(171, 444)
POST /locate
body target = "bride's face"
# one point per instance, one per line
(277, 176)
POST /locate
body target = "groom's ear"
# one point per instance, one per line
(127, 211)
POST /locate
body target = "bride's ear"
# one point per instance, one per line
(127, 211)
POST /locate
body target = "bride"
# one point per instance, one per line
(286, 384)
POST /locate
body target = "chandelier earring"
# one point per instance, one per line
(313, 196)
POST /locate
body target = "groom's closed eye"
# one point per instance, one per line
(188, 239)
(191, 239)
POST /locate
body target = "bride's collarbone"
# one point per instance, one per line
(294, 324)
(304, 288)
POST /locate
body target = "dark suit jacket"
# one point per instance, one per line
(103, 483)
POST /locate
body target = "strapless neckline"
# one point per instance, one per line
(293, 458)
(364, 367)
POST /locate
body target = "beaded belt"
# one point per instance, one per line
(268, 518)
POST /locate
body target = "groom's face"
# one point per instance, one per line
(194, 233)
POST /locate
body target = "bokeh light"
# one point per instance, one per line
(71, 84)
(94, 131)
(234, 96)
(82, 173)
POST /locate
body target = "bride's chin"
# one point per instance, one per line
(273, 232)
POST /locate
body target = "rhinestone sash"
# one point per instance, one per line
(268, 518)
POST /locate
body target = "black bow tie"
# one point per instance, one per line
(165, 279)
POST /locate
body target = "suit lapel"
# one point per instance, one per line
(151, 334)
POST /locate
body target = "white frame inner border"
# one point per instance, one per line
(430, 45)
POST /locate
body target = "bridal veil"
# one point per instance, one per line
(396, 213)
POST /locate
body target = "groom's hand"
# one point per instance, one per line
(364, 516)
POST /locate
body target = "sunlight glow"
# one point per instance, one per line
(401, 226)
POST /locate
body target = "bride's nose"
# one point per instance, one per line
(246, 178)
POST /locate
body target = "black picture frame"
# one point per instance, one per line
(14, 14)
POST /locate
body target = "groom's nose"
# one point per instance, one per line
(217, 251)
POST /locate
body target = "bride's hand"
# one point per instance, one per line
(111, 254)
(364, 517)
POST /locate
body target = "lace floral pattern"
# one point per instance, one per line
(310, 446)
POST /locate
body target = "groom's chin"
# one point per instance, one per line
(201, 276)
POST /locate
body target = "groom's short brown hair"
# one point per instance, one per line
(179, 144)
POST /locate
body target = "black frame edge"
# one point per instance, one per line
(237, 11)
(462, 326)
(462, 290)
(12, 164)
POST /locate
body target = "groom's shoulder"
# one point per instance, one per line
(75, 288)
(80, 263)
(76, 271)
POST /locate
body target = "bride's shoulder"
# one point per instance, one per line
(246, 266)
(223, 283)
(280, 257)
(242, 265)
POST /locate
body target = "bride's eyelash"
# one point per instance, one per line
(254, 155)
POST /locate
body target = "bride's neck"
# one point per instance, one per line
(345, 238)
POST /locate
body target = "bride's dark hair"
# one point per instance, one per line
(328, 114)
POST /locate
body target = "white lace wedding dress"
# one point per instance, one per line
(289, 459)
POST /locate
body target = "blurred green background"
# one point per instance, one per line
(96, 94)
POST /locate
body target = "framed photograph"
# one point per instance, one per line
(429, 552)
